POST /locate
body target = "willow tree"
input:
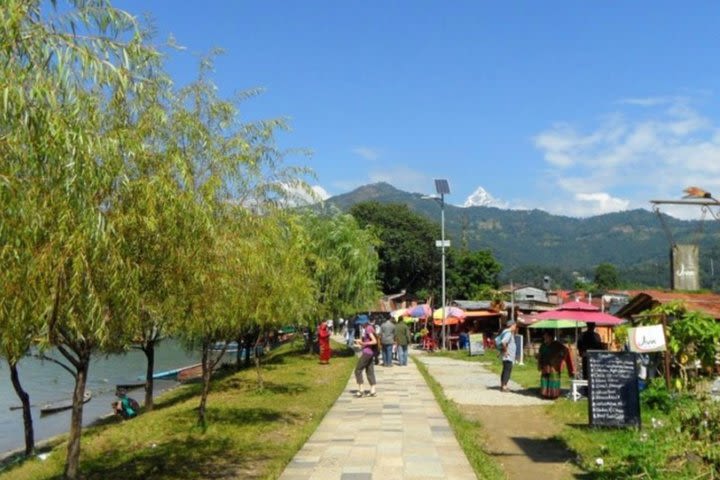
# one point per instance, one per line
(274, 283)
(342, 260)
(223, 164)
(59, 68)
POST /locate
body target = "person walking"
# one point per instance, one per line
(350, 330)
(507, 351)
(553, 355)
(402, 340)
(387, 338)
(367, 353)
(324, 341)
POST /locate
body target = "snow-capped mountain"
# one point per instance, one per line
(480, 198)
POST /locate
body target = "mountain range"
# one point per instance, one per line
(527, 242)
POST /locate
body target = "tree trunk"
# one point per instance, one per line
(261, 384)
(149, 351)
(72, 462)
(238, 354)
(27, 414)
(206, 370)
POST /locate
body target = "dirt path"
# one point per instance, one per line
(520, 434)
(521, 439)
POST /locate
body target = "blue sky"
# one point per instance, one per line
(576, 108)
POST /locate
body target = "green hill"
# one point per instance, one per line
(529, 242)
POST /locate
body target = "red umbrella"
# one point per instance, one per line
(579, 312)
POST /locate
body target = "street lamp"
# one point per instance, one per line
(442, 188)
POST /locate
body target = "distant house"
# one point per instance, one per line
(533, 294)
(640, 301)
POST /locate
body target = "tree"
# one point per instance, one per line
(409, 259)
(343, 263)
(470, 273)
(227, 168)
(606, 277)
(56, 86)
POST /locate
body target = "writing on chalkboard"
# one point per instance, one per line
(614, 398)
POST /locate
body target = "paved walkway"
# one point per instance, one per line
(401, 434)
(470, 383)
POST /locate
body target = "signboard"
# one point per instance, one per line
(685, 267)
(477, 346)
(442, 243)
(647, 339)
(613, 394)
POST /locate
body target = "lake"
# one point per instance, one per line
(47, 382)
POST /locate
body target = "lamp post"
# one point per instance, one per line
(442, 188)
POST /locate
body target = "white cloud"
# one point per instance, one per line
(650, 101)
(367, 153)
(631, 159)
(320, 192)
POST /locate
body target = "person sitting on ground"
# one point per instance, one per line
(126, 407)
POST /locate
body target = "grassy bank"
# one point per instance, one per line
(678, 438)
(252, 433)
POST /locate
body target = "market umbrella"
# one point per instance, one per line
(398, 313)
(448, 321)
(449, 312)
(580, 312)
(556, 324)
(419, 311)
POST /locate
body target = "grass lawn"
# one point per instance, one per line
(252, 433)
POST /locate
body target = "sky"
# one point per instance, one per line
(575, 108)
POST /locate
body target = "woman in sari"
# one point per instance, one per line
(324, 341)
(550, 363)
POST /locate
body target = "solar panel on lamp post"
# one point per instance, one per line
(442, 188)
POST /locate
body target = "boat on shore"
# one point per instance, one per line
(129, 386)
(54, 407)
(173, 374)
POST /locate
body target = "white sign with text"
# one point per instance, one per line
(647, 339)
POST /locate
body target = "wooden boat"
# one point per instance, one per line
(129, 386)
(230, 347)
(190, 373)
(55, 407)
(173, 374)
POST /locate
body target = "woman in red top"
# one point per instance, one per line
(324, 340)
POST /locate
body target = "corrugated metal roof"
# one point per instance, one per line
(641, 300)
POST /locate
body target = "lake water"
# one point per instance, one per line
(46, 382)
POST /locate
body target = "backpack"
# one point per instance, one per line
(499, 341)
(134, 405)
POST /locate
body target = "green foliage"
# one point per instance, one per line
(469, 274)
(700, 420)
(606, 277)
(342, 261)
(657, 397)
(409, 259)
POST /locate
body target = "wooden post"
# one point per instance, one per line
(666, 353)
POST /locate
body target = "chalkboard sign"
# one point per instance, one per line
(614, 398)
(477, 345)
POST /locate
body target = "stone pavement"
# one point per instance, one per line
(401, 434)
(470, 383)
